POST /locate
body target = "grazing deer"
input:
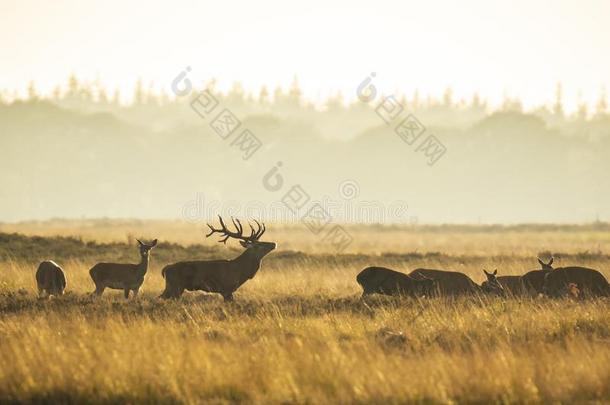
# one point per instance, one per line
(534, 280)
(50, 279)
(588, 282)
(382, 280)
(219, 276)
(122, 276)
(453, 283)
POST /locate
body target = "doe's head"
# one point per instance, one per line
(546, 266)
(145, 247)
(492, 285)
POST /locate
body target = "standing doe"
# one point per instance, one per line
(122, 276)
(50, 279)
(219, 276)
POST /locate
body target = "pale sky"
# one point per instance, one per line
(519, 48)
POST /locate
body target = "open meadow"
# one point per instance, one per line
(298, 332)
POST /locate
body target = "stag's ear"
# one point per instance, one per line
(540, 261)
(244, 244)
(154, 243)
(495, 272)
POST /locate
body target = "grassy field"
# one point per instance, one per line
(298, 332)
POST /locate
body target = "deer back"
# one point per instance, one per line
(450, 282)
(117, 272)
(50, 276)
(589, 281)
(386, 281)
(512, 284)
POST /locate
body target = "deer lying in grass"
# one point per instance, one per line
(119, 276)
(382, 280)
(513, 285)
(564, 280)
(453, 283)
(529, 284)
(50, 279)
(219, 276)
(534, 280)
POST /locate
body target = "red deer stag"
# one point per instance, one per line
(382, 280)
(120, 276)
(219, 276)
(50, 279)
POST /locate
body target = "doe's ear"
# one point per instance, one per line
(486, 273)
(139, 242)
(551, 261)
(541, 262)
(154, 243)
(495, 272)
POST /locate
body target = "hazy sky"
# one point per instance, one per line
(519, 48)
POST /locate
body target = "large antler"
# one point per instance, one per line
(254, 235)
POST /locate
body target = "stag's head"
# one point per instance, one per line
(249, 242)
(546, 266)
(492, 285)
(145, 248)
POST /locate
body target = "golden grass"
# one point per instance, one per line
(300, 334)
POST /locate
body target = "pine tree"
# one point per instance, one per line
(56, 94)
(558, 106)
(294, 94)
(602, 104)
(278, 96)
(102, 96)
(138, 93)
(116, 98)
(72, 85)
(448, 97)
(416, 101)
(32, 94)
(263, 96)
(583, 110)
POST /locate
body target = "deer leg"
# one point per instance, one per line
(99, 290)
(135, 292)
(228, 297)
(126, 292)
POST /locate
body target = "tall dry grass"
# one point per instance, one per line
(299, 333)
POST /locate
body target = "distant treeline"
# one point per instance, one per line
(77, 154)
(151, 107)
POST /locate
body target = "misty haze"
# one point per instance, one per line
(81, 153)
